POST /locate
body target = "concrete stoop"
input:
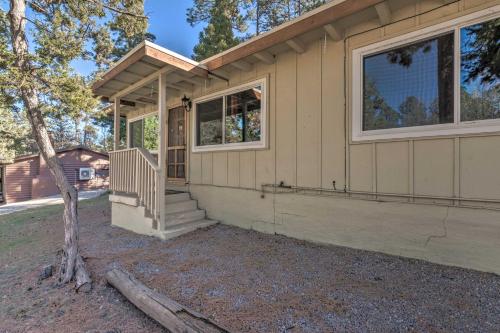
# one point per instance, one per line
(182, 216)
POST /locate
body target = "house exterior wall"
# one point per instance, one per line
(30, 178)
(310, 145)
(18, 178)
(72, 161)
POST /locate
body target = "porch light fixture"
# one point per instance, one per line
(186, 103)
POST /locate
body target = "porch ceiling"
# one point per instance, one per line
(134, 79)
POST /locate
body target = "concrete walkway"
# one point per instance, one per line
(52, 200)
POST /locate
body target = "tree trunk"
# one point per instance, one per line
(72, 265)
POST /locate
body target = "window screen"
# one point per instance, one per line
(243, 113)
(409, 86)
(480, 71)
(209, 122)
(136, 134)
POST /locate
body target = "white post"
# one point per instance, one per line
(162, 147)
(116, 124)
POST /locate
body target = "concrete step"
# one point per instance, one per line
(184, 228)
(185, 217)
(178, 197)
(181, 206)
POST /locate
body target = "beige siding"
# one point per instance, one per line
(307, 123)
(286, 118)
(433, 167)
(480, 167)
(309, 117)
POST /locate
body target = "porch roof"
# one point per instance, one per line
(134, 77)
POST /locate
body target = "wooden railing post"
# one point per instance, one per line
(162, 149)
(134, 171)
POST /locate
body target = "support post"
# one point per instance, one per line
(162, 147)
(116, 124)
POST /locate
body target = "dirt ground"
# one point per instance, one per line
(246, 281)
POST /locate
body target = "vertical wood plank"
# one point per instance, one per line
(309, 117)
(116, 124)
(286, 118)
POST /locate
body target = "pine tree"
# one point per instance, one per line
(223, 19)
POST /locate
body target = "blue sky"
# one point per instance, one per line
(167, 21)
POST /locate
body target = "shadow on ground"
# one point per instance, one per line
(247, 281)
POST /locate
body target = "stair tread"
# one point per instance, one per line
(186, 212)
(196, 223)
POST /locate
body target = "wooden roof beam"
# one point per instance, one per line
(148, 65)
(296, 45)
(334, 32)
(242, 65)
(384, 13)
(139, 84)
(181, 76)
(265, 57)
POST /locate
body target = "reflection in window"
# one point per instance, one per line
(480, 71)
(144, 133)
(409, 86)
(243, 116)
(209, 122)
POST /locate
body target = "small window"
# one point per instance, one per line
(480, 71)
(409, 86)
(136, 134)
(231, 120)
(144, 133)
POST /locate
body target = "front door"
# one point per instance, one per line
(176, 157)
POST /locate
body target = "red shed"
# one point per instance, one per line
(29, 177)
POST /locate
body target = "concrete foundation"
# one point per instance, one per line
(461, 237)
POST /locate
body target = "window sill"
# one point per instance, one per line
(230, 147)
(471, 128)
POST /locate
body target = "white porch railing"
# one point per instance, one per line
(135, 171)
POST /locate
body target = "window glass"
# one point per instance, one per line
(480, 71)
(409, 86)
(151, 132)
(209, 122)
(243, 113)
(136, 134)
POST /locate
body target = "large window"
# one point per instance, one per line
(234, 119)
(447, 81)
(144, 133)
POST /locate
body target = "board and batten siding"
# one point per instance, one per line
(307, 126)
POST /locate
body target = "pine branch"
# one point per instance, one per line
(118, 10)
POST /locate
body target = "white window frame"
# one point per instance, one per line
(143, 116)
(458, 127)
(262, 144)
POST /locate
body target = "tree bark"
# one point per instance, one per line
(170, 314)
(72, 265)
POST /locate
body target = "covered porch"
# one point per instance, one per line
(148, 93)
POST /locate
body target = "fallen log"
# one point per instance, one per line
(170, 314)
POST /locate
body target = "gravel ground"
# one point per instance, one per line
(247, 281)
